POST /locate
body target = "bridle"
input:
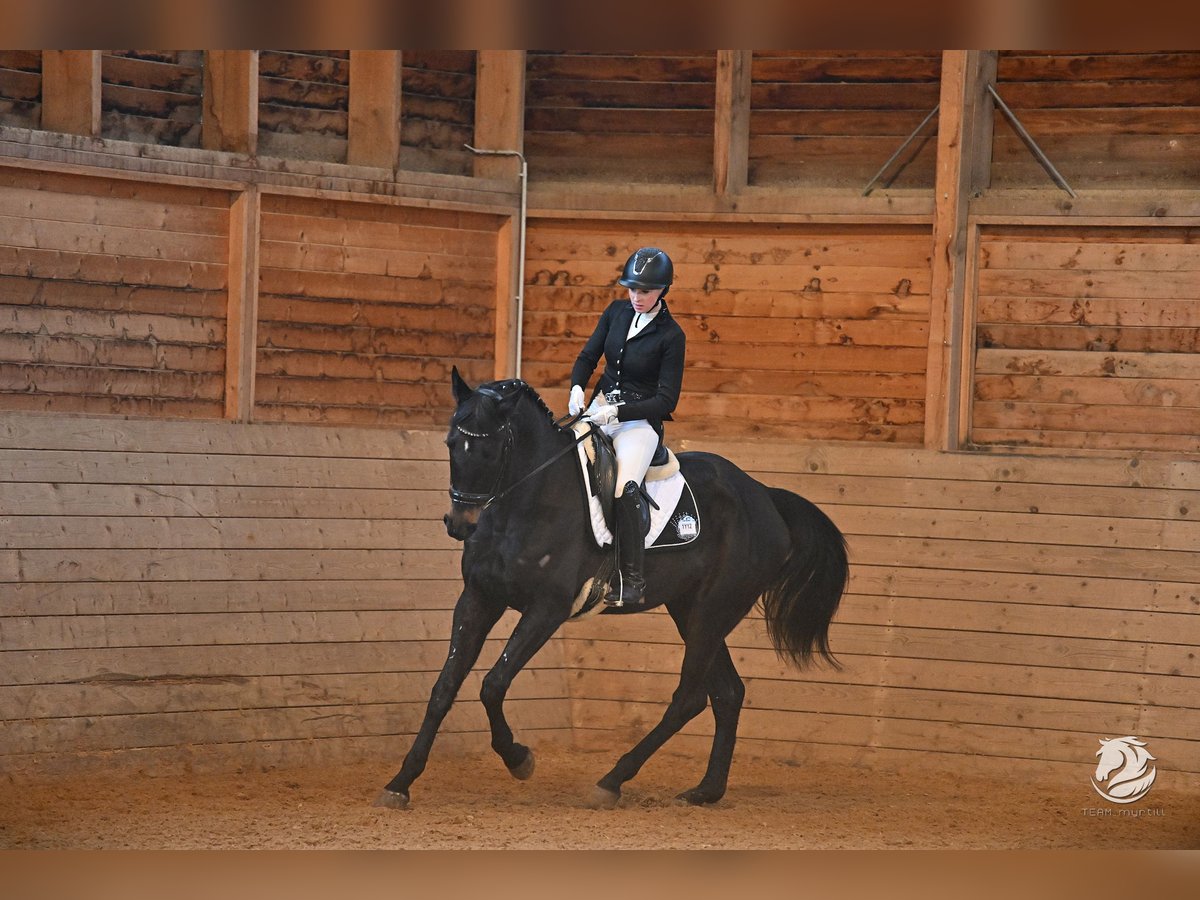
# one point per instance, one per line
(486, 499)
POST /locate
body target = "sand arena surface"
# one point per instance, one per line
(469, 801)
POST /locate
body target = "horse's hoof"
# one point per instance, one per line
(697, 797)
(391, 800)
(524, 769)
(603, 798)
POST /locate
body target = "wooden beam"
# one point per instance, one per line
(506, 303)
(241, 333)
(71, 91)
(499, 110)
(374, 129)
(231, 101)
(962, 162)
(731, 126)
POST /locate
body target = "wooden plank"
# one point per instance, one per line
(219, 726)
(105, 380)
(374, 116)
(148, 532)
(231, 101)
(148, 468)
(242, 316)
(499, 110)
(228, 565)
(509, 309)
(961, 159)
(316, 502)
(36, 432)
(71, 91)
(104, 325)
(1169, 393)
(60, 206)
(107, 699)
(731, 128)
(35, 233)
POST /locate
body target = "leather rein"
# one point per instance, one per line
(486, 499)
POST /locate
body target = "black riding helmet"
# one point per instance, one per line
(647, 269)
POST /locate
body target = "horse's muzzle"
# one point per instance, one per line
(461, 523)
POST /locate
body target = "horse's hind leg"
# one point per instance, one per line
(726, 691)
(534, 628)
(688, 701)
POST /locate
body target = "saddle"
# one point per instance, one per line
(670, 498)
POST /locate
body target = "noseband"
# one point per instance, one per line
(486, 499)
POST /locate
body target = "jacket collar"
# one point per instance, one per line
(627, 315)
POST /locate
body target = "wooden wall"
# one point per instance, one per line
(1004, 613)
(1105, 119)
(811, 332)
(152, 96)
(21, 88)
(643, 116)
(303, 98)
(437, 110)
(113, 295)
(833, 118)
(1087, 338)
(211, 594)
(364, 308)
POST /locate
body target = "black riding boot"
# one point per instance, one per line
(629, 586)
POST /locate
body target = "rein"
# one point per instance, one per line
(484, 500)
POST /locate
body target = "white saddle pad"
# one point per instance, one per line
(665, 492)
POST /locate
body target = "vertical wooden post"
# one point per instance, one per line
(963, 160)
(71, 91)
(731, 124)
(506, 308)
(499, 110)
(241, 328)
(374, 128)
(230, 112)
(500, 125)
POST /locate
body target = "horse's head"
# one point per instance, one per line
(480, 441)
(1125, 763)
(1116, 753)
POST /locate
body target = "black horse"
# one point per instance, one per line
(518, 506)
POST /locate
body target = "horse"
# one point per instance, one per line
(517, 506)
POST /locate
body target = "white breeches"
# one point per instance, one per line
(635, 443)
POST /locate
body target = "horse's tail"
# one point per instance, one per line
(801, 602)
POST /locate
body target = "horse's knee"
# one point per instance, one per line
(689, 704)
(493, 689)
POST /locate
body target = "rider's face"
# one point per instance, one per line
(643, 301)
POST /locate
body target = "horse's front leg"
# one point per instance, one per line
(474, 618)
(536, 625)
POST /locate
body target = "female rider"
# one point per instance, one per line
(643, 348)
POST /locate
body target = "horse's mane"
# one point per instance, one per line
(516, 387)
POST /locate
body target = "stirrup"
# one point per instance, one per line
(615, 597)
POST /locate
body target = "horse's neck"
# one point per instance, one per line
(538, 440)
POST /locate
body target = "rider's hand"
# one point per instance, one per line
(575, 404)
(605, 414)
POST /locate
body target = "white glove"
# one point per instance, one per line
(604, 414)
(575, 404)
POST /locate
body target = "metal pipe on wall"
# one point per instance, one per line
(520, 296)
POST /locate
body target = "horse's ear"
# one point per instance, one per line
(461, 389)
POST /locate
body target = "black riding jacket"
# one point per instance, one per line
(648, 368)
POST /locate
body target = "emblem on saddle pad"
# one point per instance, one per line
(686, 526)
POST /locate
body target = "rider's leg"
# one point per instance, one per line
(635, 443)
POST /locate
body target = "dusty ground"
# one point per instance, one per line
(470, 802)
